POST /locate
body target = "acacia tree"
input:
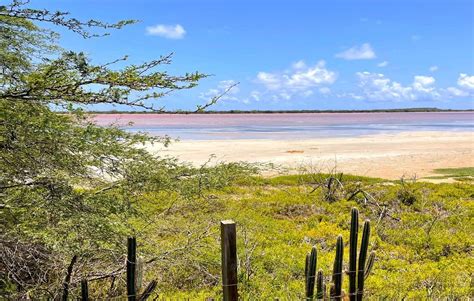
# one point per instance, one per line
(67, 186)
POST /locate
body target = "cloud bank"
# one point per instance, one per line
(377, 87)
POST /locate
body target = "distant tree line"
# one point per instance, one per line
(401, 110)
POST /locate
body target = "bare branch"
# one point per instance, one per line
(215, 99)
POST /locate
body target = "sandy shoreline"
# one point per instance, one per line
(388, 156)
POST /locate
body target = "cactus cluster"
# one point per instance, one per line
(359, 266)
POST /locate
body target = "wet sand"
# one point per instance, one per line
(389, 156)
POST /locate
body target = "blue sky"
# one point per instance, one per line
(296, 54)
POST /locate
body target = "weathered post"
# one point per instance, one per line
(84, 290)
(229, 260)
(131, 268)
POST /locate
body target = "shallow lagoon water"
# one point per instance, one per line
(287, 125)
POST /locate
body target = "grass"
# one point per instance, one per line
(458, 174)
(423, 242)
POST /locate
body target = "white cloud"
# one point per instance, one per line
(457, 92)
(300, 80)
(222, 86)
(382, 64)
(167, 31)
(378, 87)
(351, 95)
(255, 95)
(375, 86)
(312, 76)
(362, 52)
(424, 80)
(466, 81)
(226, 84)
(299, 64)
(270, 80)
(423, 83)
(434, 68)
(465, 87)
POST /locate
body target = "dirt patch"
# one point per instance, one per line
(295, 151)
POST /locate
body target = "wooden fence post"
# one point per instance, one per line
(131, 268)
(229, 260)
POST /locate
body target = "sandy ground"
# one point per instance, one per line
(386, 156)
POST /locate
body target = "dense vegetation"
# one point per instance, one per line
(422, 234)
(67, 186)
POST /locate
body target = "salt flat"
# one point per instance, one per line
(389, 156)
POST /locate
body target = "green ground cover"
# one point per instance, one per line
(422, 234)
(459, 174)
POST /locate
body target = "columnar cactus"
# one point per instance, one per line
(337, 270)
(358, 271)
(310, 272)
(320, 289)
(361, 273)
(312, 278)
(369, 265)
(354, 234)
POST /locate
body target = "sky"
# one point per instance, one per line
(294, 55)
